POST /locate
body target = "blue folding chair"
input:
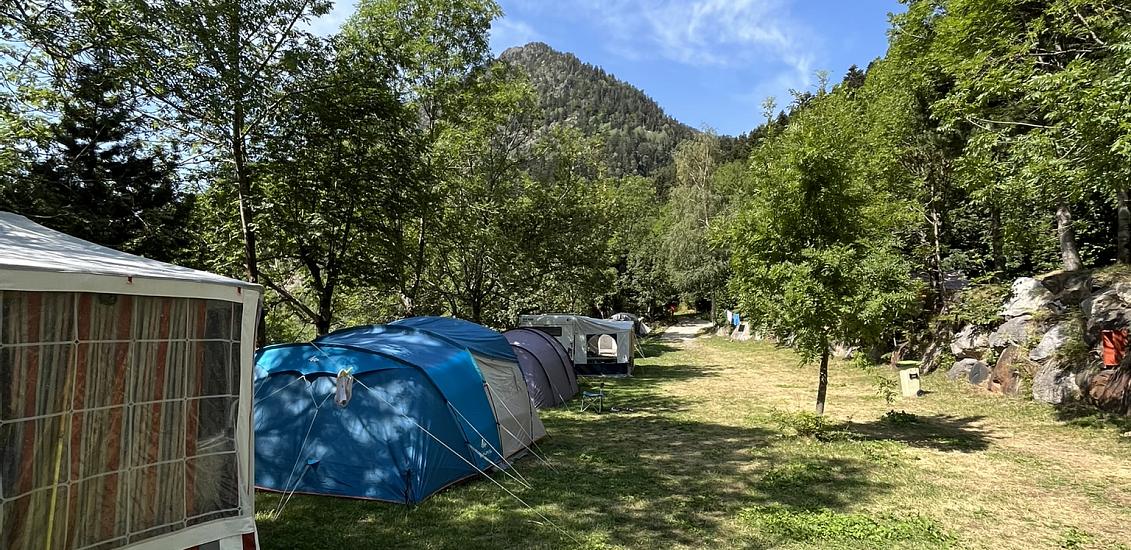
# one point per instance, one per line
(589, 399)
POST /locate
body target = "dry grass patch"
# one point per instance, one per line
(708, 446)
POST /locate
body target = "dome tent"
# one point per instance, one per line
(517, 421)
(125, 398)
(395, 415)
(545, 365)
(519, 425)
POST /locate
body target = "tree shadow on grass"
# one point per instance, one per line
(650, 478)
(939, 432)
(654, 348)
(1085, 416)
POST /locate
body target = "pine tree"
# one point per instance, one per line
(96, 179)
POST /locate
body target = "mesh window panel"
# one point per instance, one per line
(117, 417)
(214, 490)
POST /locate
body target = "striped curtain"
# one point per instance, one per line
(117, 417)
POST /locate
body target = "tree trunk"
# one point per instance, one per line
(1123, 238)
(936, 275)
(996, 240)
(325, 310)
(823, 381)
(239, 161)
(714, 314)
(1070, 255)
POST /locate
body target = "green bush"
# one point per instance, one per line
(807, 424)
(979, 304)
(899, 417)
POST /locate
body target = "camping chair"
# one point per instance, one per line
(589, 399)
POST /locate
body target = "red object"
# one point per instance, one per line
(1115, 345)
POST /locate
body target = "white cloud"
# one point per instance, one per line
(507, 32)
(717, 33)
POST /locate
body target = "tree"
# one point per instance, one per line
(696, 265)
(814, 261)
(430, 50)
(97, 179)
(340, 178)
(1014, 68)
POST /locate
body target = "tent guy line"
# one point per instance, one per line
(481, 472)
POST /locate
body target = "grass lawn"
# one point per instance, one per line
(704, 449)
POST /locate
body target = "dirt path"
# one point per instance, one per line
(686, 329)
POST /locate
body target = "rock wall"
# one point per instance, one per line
(1048, 337)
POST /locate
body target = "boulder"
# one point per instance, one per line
(1013, 332)
(1052, 341)
(1107, 309)
(1055, 384)
(1069, 288)
(1110, 390)
(972, 370)
(1005, 378)
(1027, 296)
(970, 343)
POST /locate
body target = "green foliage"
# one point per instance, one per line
(1075, 353)
(887, 389)
(340, 179)
(1074, 538)
(96, 177)
(899, 418)
(807, 424)
(696, 260)
(814, 258)
(829, 527)
(979, 304)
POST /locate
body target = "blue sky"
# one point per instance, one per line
(706, 62)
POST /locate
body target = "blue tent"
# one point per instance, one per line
(410, 417)
(477, 338)
(517, 419)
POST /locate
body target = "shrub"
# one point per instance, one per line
(979, 304)
(807, 424)
(899, 418)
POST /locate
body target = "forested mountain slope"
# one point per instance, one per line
(639, 137)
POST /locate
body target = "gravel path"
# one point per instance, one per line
(685, 329)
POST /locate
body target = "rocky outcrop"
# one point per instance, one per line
(1107, 309)
(1052, 341)
(1013, 332)
(1110, 390)
(1069, 288)
(1055, 384)
(1048, 343)
(971, 370)
(970, 343)
(1011, 368)
(1027, 296)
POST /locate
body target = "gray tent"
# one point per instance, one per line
(596, 346)
(642, 330)
(545, 366)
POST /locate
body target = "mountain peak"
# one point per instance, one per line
(639, 137)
